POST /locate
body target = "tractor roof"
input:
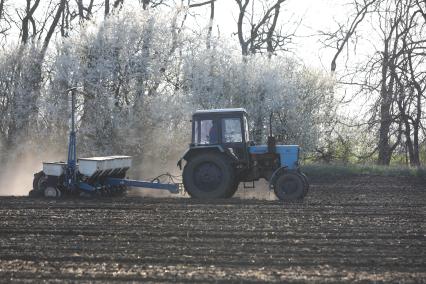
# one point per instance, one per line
(221, 111)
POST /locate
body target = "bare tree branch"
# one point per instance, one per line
(202, 3)
(53, 26)
(263, 32)
(342, 42)
(27, 19)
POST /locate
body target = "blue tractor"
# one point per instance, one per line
(221, 156)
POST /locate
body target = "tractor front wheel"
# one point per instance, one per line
(289, 186)
(209, 175)
(305, 183)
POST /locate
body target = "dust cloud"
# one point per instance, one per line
(162, 150)
(152, 168)
(260, 192)
(16, 176)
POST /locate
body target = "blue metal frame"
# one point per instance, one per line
(71, 171)
(289, 154)
(173, 188)
(86, 187)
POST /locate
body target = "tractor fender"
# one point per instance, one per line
(275, 175)
(198, 149)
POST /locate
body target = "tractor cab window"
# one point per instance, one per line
(196, 135)
(246, 129)
(208, 132)
(231, 130)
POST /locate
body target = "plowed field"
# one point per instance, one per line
(361, 229)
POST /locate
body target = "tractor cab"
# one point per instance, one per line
(225, 129)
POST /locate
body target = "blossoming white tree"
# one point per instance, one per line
(140, 76)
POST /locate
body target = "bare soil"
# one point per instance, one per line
(362, 229)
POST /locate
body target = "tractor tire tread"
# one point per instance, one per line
(227, 187)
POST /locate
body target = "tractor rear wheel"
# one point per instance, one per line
(209, 175)
(289, 186)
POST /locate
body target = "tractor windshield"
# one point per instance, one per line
(231, 130)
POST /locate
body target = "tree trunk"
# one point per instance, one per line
(385, 151)
(209, 31)
(106, 13)
(415, 162)
(408, 141)
(416, 122)
(384, 145)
